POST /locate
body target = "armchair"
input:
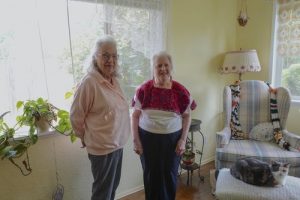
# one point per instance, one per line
(255, 109)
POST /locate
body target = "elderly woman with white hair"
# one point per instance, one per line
(100, 118)
(160, 124)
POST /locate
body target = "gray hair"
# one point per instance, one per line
(107, 39)
(162, 54)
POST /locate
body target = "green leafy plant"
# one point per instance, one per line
(38, 115)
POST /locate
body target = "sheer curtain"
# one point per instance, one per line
(288, 22)
(45, 44)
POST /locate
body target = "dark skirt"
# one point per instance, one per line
(160, 164)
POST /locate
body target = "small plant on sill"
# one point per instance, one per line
(38, 115)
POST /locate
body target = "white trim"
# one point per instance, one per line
(272, 57)
(44, 134)
(130, 191)
(296, 102)
(207, 160)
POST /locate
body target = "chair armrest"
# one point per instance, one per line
(293, 139)
(223, 137)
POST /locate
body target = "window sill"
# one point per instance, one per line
(45, 134)
(296, 102)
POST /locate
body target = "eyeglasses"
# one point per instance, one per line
(107, 56)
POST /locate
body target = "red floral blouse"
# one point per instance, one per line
(177, 99)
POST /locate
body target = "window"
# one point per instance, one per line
(44, 45)
(286, 53)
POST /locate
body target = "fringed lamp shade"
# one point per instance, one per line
(240, 62)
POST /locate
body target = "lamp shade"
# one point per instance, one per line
(240, 62)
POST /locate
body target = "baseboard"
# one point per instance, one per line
(207, 160)
(141, 187)
(203, 162)
(130, 191)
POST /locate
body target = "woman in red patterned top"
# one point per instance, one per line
(160, 124)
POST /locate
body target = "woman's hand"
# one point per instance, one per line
(180, 147)
(82, 143)
(138, 148)
(186, 121)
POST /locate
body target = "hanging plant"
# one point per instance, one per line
(38, 115)
(243, 15)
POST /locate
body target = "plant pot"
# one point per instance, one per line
(188, 158)
(42, 125)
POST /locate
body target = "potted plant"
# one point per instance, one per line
(38, 115)
(188, 157)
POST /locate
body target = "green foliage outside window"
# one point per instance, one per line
(291, 79)
(134, 65)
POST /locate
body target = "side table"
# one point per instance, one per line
(194, 128)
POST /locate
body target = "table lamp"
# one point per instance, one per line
(240, 62)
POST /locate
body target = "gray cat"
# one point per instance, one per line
(257, 172)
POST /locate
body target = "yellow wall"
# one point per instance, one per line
(257, 35)
(51, 153)
(199, 32)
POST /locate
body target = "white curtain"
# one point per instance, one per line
(288, 32)
(44, 44)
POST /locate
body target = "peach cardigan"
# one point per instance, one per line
(100, 114)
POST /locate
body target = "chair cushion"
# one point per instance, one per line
(266, 151)
(262, 132)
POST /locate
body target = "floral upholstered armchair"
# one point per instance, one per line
(255, 121)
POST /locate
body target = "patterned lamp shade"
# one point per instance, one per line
(240, 62)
